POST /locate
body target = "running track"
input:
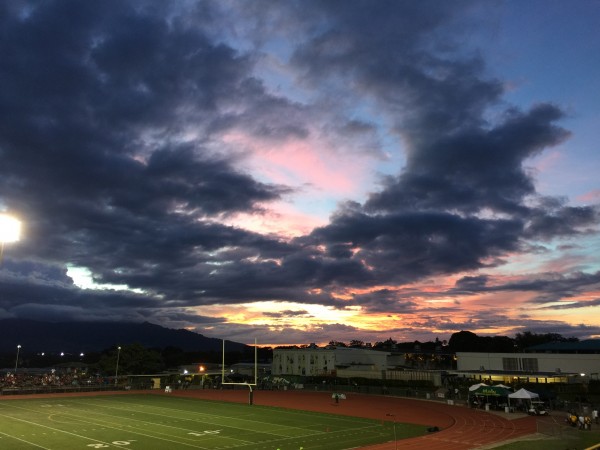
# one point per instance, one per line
(461, 428)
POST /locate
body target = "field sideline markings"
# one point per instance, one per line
(23, 440)
(99, 421)
(309, 433)
(124, 427)
(197, 413)
(301, 412)
(203, 420)
(277, 438)
(106, 426)
(321, 436)
(331, 416)
(56, 429)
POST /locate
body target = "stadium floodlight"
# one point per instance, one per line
(117, 368)
(10, 231)
(17, 360)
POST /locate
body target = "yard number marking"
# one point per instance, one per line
(205, 433)
(101, 445)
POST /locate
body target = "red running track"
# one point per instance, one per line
(461, 428)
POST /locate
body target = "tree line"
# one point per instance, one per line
(462, 341)
(137, 359)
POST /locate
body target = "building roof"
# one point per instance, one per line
(331, 348)
(587, 346)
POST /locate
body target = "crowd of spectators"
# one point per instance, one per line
(51, 378)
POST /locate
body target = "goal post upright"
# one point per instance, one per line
(255, 362)
(223, 382)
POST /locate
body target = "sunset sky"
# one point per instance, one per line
(303, 171)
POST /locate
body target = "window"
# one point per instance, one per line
(530, 364)
(510, 364)
(520, 364)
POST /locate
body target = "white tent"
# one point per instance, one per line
(476, 386)
(524, 394)
(527, 397)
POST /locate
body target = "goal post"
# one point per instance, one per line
(223, 382)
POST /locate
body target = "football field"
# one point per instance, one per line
(148, 422)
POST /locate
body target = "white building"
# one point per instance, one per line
(330, 361)
(529, 367)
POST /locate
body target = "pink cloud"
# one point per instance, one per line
(308, 162)
(590, 197)
(280, 219)
(549, 161)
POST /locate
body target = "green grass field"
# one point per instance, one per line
(159, 422)
(578, 441)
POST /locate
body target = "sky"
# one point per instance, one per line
(305, 171)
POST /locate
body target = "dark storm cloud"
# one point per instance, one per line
(384, 300)
(464, 197)
(95, 98)
(405, 56)
(472, 284)
(112, 150)
(286, 314)
(561, 221)
(575, 305)
(175, 316)
(551, 287)
(501, 324)
(526, 323)
(555, 287)
(405, 246)
(82, 110)
(475, 168)
(580, 331)
(53, 301)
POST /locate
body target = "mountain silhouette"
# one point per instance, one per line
(76, 337)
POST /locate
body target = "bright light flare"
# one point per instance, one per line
(10, 229)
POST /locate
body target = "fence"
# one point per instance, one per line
(557, 430)
(58, 389)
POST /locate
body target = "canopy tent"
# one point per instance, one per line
(494, 396)
(476, 386)
(527, 398)
(491, 391)
(524, 394)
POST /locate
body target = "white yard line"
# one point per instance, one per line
(111, 425)
(204, 419)
(56, 429)
(101, 422)
(23, 440)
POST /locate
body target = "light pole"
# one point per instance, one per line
(10, 231)
(117, 368)
(393, 416)
(17, 360)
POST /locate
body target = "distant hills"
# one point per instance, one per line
(76, 337)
